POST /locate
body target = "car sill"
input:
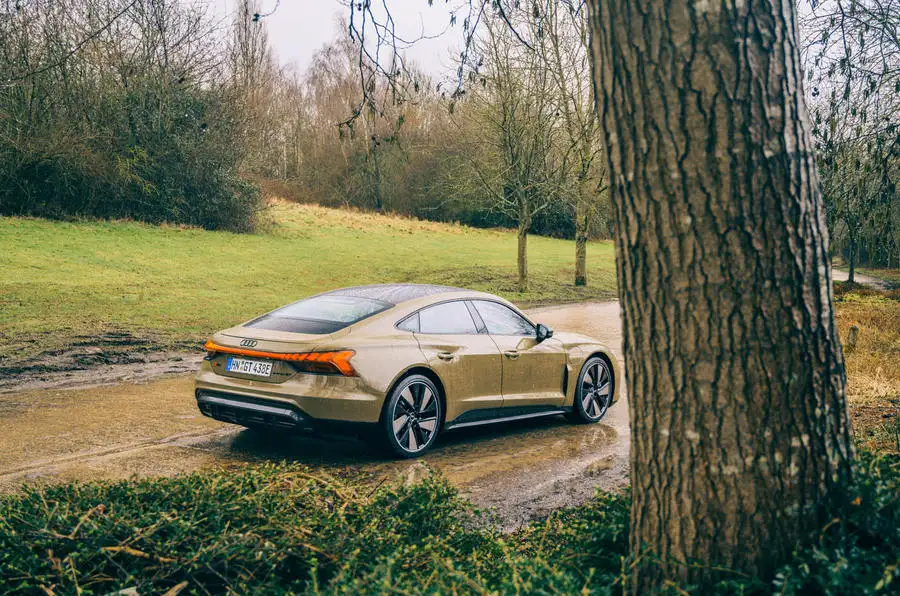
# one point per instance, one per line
(453, 426)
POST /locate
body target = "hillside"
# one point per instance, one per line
(137, 286)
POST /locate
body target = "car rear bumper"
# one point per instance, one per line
(245, 411)
(261, 413)
(302, 401)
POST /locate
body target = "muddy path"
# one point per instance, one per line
(111, 357)
(149, 425)
(863, 280)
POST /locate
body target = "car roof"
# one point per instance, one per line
(394, 293)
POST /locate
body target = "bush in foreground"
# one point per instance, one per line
(279, 528)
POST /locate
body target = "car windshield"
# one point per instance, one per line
(320, 314)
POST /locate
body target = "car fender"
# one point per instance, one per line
(578, 349)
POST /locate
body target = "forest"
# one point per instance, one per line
(160, 111)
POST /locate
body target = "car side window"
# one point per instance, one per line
(447, 318)
(502, 320)
(410, 323)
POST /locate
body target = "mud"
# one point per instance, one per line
(111, 357)
(122, 369)
(149, 427)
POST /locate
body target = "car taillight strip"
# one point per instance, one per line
(339, 359)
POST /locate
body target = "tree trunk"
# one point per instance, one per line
(851, 257)
(581, 237)
(522, 258)
(740, 435)
(376, 173)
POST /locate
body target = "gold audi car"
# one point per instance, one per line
(402, 363)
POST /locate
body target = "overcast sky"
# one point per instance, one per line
(298, 28)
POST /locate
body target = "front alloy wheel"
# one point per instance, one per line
(412, 417)
(594, 392)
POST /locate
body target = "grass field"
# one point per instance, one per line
(65, 283)
(873, 384)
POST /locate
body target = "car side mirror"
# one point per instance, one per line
(543, 332)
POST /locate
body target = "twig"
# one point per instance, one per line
(174, 590)
(137, 553)
(76, 48)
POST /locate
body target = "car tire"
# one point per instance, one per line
(412, 416)
(594, 392)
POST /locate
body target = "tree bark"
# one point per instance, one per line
(851, 257)
(581, 237)
(740, 435)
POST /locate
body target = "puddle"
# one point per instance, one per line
(522, 469)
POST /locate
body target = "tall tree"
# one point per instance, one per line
(514, 105)
(740, 434)
(562, 42)
(253, 81)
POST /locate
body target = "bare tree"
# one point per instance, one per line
(514, 106)
(851, 57)
(562, 43)
(254, 82)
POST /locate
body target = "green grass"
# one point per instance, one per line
(280, 528)
(64, 282)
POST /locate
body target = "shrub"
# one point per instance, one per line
(186, 173)
(277, 528)
(136, 124)
(859, 552)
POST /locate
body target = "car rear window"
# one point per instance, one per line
(320, 314)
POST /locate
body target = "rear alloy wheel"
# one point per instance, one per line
(412, 416)
(594, 393)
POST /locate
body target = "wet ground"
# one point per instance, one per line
(152, 427)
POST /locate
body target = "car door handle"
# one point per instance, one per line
(445, 355)
(511, 354)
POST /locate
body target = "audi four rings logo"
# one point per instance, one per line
(248, 343)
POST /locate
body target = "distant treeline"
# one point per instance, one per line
(159, 111)
(155, 110)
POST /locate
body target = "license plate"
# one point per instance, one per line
(249, 367)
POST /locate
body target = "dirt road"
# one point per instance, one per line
(864, 280)
(152, 427)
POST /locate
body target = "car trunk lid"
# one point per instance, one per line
(251, 346)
